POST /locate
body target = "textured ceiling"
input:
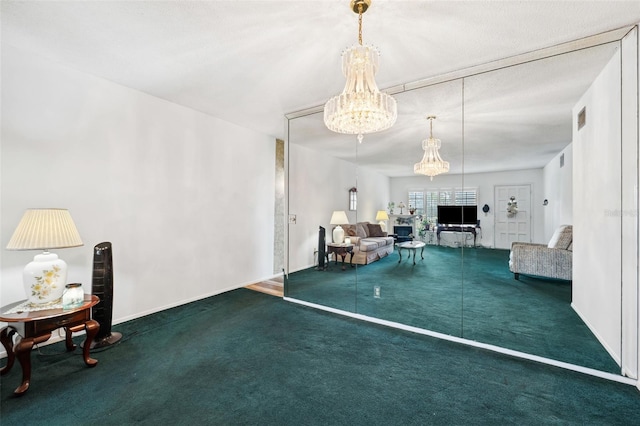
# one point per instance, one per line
(251, 62)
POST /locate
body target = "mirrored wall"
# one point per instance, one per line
(507, 134)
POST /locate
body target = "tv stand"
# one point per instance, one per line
(458, 228)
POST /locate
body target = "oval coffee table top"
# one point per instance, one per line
(411, 244)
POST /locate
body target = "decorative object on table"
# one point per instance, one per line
(390, 206)
(361, 108)
(338, 218)
(412, 209)
(404, 220)
(73, 296)
(512, 207)
(102, 286)
(401, 206)
(353, 199)
(44, 229)
(382, 217)
(485, 209)
(431, 163)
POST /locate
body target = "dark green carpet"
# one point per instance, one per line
(466, 293)
(245, 358)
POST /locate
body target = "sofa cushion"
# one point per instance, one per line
(375, 230)
(562, 237)
(368, 245)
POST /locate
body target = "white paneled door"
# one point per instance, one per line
(510, 227)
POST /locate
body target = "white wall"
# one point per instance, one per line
(373, 194)
(185, 198)
(318, 185)
(596, 196)
(558, 190)
(630, 238)
(485, 183)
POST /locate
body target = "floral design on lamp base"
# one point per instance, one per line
(45, 278)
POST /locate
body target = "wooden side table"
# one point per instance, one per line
(340, 250)
(36, 327)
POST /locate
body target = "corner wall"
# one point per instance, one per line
(185, 198)
(597, 197)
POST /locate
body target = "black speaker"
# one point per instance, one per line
(102, 286)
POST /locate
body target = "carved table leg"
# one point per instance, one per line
(414, 256)
(68, 335)
(23, 353)
(6, 337)
(92, 328)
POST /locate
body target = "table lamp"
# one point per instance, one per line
(338, 218)
(43, 229)
(382, 216)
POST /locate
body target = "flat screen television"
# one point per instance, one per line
(458, 215)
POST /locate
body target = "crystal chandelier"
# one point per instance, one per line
(360, 108)
(431, 163)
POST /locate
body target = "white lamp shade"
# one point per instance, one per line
(45, 229)
(339, 217)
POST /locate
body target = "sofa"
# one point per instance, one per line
(369, 241)
(553, 260)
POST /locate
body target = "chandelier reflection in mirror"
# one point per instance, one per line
(361, 108)
(431, 163)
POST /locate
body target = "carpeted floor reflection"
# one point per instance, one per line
(466, 293)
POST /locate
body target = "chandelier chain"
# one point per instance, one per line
(360, 24)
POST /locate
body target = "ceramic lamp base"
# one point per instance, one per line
(383, 225)
(45, 278)
(338, 235)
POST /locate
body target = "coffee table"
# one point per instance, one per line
(411, 246)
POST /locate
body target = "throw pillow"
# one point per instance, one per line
(349, 230)
(362, 230)
(566, 238)
(375, 230)
(561, 238)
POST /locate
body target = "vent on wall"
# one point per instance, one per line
(582, 118)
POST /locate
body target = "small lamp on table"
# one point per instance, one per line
(339, 217)
(43, 229)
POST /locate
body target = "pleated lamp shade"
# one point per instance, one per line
(43, 229)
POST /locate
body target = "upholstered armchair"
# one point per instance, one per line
(553, 260)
